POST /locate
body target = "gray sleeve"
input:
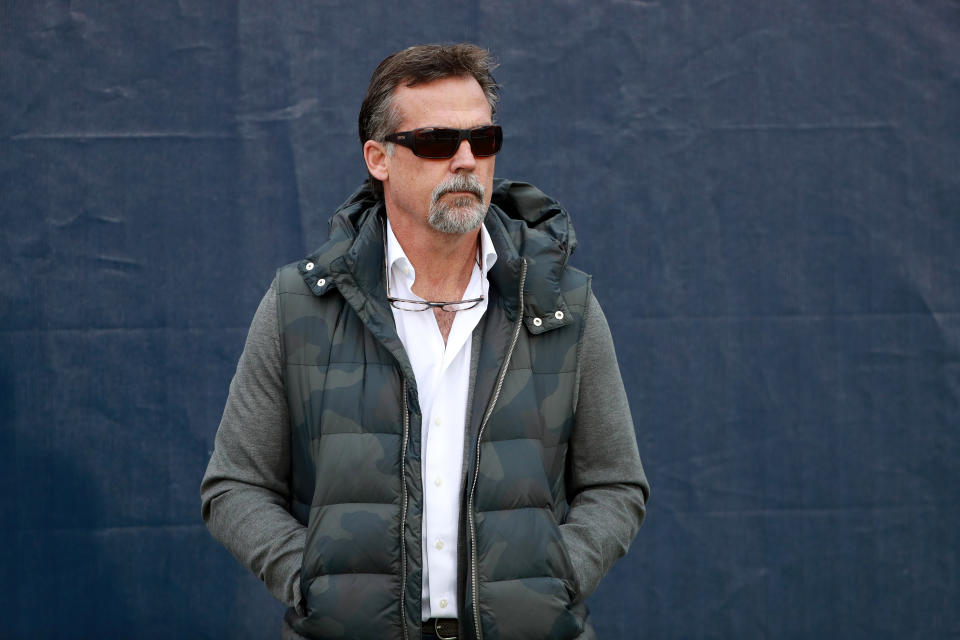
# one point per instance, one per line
(245, 492)
(606, 486)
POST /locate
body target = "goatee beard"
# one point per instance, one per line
(465, 213)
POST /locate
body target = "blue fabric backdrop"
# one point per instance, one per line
(768, 194)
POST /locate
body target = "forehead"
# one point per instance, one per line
(451, 102)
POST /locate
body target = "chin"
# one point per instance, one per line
(457, 220)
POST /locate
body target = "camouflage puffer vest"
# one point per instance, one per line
(356, 422)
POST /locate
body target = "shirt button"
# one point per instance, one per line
(537, 322)
(438, 482)
(321, 282)
(444, 603)
(558, 315)
(437, 421)
(309, 266)
(439, 545)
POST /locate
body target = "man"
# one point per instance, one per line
(427, 434)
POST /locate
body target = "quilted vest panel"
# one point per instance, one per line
(520, 498)
(343, 394)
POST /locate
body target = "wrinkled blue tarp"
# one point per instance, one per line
(768, 195)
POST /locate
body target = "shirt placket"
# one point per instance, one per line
(444, 452)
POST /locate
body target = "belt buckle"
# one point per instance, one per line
(439, 634)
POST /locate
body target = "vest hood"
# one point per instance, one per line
(525, 224)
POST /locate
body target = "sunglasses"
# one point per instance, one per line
(437, 142)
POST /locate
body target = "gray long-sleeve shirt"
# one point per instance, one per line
(246, 492)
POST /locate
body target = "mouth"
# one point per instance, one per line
(462, 193)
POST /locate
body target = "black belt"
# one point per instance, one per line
(443, 628)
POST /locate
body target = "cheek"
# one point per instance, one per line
(410, 182)
(487, 176)
(488, 165)
(417, 189)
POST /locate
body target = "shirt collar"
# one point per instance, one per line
(400, 265)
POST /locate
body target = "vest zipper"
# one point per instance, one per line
(403, 513)
(476, 470)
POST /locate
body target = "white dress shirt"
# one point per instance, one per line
(443, 375)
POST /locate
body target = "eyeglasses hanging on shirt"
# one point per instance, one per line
(422, 305)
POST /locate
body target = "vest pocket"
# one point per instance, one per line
(352, 605)
(349, 575)
(527, 608)
(527, 583)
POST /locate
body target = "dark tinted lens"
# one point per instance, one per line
(436, 143)
(485, 141)
(443, 143)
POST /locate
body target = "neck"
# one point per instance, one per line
(443, 261)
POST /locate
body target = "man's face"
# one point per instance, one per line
(440, 193)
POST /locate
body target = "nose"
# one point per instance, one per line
(463, 159)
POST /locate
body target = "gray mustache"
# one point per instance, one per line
(459, 182)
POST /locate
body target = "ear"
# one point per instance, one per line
(378, 162)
